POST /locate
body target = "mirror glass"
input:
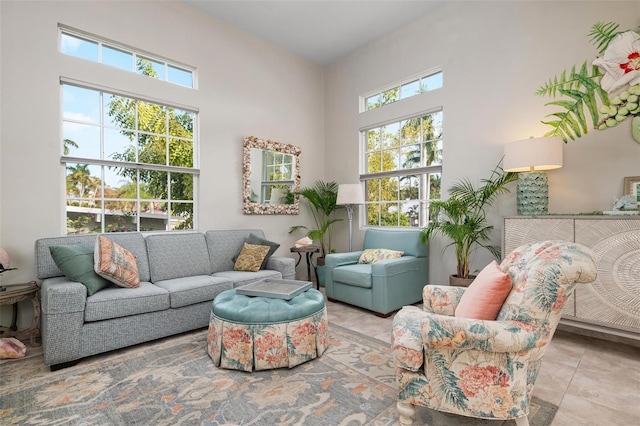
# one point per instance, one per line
(271, 176)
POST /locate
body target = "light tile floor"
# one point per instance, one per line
(592, 381)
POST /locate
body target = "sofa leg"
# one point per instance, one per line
(406, 412)
(378, 314)
(332, 300)
(62, 365)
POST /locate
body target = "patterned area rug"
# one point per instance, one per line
(173, 381)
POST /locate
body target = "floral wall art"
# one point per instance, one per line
(605, 93)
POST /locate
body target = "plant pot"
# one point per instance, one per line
(455, 281)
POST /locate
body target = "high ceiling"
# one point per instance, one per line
(318, 30)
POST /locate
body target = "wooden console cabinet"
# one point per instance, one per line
(609, 308)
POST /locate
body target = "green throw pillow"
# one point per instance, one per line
(253, 239)
(76, 262)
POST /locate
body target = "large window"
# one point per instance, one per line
(93, 48)
(130, 162)
(403, 165)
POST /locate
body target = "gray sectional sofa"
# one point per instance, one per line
(180, 274)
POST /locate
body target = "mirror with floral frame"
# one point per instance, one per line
(270, 177)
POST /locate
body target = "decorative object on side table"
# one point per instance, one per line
(350, 194)
(531, 158)
(14, 294)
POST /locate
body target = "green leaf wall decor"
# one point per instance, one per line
(599, 95)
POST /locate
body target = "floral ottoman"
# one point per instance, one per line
(259, 333)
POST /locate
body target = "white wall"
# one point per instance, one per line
(246, 87)
(494, 56)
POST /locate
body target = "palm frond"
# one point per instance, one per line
(602, 33)
(462, 217)
(584, 90)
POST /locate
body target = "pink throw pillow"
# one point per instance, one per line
(486, 294)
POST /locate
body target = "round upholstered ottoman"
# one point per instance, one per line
(258, 333)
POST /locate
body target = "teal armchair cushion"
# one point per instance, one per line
(358, 275)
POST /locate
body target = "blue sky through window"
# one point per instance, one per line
(123, 58)
(117, 58)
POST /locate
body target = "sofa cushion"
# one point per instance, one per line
(242, 278)
(358, 275)
(115, 263)
(115, 302)
(223, 245)
(76, 262)
(136, 244)
(195, 289)
(177, 255)
(250, 258)
(259, 241)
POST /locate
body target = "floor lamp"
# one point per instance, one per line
(349, 195)
(532, 157)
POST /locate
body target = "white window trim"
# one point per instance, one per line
(362, 107)
(137, 52)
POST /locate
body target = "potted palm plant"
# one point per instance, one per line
(321, 199)
(462, 219)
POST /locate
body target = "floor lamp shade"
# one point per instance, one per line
(532, 158)
(350, 194)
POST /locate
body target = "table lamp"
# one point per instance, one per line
(531, 158)
(350, 194)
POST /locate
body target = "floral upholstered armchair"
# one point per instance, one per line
(481, 368)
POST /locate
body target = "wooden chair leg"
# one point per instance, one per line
(406, 412)
(522, 421)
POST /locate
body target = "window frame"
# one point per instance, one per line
(136, 165)
(362, 105)
(136, 53)
(426, 171)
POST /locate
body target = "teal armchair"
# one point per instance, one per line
(385, 286)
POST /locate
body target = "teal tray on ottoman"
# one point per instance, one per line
(259, 333)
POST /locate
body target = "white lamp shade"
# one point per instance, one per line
(535, 154)
(350, 193)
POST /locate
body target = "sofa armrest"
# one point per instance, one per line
(285, 265)
(393, 267)
(62, 296)
(406, 338)
(334, 260)
(441, 299)
(444, 332)
(415, 330)
(63, 304)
